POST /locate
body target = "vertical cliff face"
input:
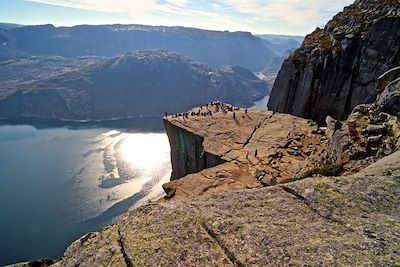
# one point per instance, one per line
(187, 152)
(337, 67)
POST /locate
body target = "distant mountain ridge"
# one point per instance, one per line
(9, 25)
(214, 48)
(298, 38)
(14, 73)
(282, 45)
(146, 83)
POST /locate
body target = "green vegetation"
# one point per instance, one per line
(327, 170)
(169, 190)
(297, 59)
(312, 123)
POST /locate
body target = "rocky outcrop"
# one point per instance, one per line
(371, 131)
(255, 148)
(233, 148)
(337, 67)
(126, 86)
(389, 100)
(343, 221)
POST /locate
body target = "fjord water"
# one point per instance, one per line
(59, 183)
(262, 103)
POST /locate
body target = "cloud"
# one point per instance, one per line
(298, 15)
(261, 16)
(134, 8)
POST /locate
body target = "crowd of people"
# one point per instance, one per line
(210, 108)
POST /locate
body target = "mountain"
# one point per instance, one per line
(274, 65)
(146, 83)
(17, 72)
(214, 48)
(9, 25)
(281, 43)
(281, 37)
(337, 67)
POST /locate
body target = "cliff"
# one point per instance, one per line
(234, 148)
(337, 67)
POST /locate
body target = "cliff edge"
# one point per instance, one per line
(218, 148)
(337, 67)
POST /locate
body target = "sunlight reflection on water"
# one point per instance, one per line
(74, 181)
(135, 162)
(145, 152)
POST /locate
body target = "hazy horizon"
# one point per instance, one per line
(287, 17)
(189, 27)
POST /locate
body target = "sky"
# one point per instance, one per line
(296, 17)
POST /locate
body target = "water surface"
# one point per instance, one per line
(58, 183)
(262, 103)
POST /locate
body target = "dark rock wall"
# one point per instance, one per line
(187, 152)
(337, 67)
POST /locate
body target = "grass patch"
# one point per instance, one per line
(327, 170)
(312, 123)
(169, 190)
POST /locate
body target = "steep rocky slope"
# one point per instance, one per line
(341, 221)
(137, 84)
(14, 73)
(214, 48)
(337, 67)
(372, 130)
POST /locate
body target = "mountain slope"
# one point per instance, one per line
(214, 48)
(281, 43)
(137, 84)
(337, 67)
(19, 71)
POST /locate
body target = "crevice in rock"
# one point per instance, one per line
(127, 260)
(231, 256)
(307, 203)
(255, 130)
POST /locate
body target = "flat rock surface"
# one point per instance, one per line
(259, 147)
(340, 221)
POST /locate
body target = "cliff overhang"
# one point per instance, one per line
(218, 147)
